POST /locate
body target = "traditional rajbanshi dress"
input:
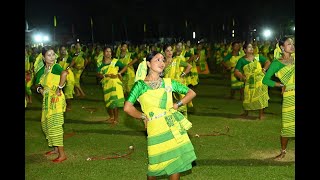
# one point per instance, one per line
(231, 62)
(203, 67)
(173, 71)
(29, 76)
(128, 77)
(78, 68)
(112, 87)
(53, 106)
(255, 92)
(170, 150)
(286, 74)
(69, 87)
(192, 77)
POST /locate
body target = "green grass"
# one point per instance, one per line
(244, 153)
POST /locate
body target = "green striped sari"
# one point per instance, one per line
(53, 107)
(287, 77)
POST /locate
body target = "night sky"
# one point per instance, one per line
(124, 20)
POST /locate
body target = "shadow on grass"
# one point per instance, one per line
(225, 97)
(81, 121)
(88, 99)
(112, 132)
(35, 158)
(242, 162)
(225, 115)
(28, 108)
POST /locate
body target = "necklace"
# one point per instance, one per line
(288, 61)
(154, 84)
(47, 70)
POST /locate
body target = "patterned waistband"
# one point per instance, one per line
(158, 116)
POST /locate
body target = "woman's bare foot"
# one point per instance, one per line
(59, 159)
(281, 155)
(51, 152)
(110, 120)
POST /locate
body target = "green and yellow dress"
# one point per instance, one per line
(78, 68)
(29, 76)
(112, 87)
(128, 77)
(255, 92)
(25, 97)
(53, 106)
(286, 74)
(69, 87)
(192, 78)
(170, 150)
(174, 72)
(231, 61)
(203, 67)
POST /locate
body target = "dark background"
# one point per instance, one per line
(117, 20)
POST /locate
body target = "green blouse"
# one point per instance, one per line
(56, 69)
(118, 63)
(229, 56)
(141, 87)
(242, 62)
(274, 67)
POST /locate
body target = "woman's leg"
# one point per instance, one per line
(151, 178)
(54, 151)
(81, 92)
(241, 94)
(111, 115)
(116, 115)
(76, 90)
(62, 154)
(68, 101)
(284, 143)
(261, 114)
(245, 113)
(175, 176)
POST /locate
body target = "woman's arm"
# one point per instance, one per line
(187, 68)
(132, 111)
(274, 67)
(62, 83)
(71, 64)
(239, 75)
(186, 99)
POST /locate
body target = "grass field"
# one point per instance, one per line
(242, 153)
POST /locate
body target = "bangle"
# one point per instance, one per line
(182, 74)
(119, 74)
(264, 69)
(60, 87)
(38, 89)
(143, 116)
(179, 103)
(281, 85)
(67, 67)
